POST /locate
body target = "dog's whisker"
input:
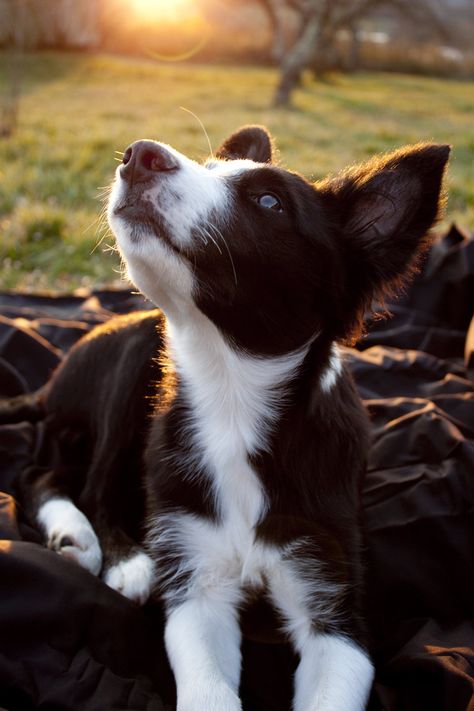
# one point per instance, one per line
(202, 126)
(103, 229)
(213, 241)
(199, 234)
(224, 242)
(94, 222)
(96, 247)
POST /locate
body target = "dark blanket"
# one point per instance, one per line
(69, 642)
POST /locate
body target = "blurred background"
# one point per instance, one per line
(334, 80)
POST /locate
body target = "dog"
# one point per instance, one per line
(224, 429)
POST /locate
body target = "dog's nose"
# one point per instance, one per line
(144, 159)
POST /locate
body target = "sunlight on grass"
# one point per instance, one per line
(76, 111)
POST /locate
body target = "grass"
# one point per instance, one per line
(77, 110)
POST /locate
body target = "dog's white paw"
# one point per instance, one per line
(132, 577)
(213, 697)
(69, 533)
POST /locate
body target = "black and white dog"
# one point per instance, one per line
(255, 438)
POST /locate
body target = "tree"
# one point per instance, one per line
(13, 18)
(318, 22)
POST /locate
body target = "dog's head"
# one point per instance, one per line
(270, 258)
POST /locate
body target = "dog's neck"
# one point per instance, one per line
(235, 401)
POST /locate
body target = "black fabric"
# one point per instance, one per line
(68, 642)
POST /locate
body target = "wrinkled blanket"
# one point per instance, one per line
(68, 642)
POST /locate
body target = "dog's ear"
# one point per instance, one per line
(383, 210)
(251, 142)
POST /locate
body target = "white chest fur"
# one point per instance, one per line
(235, 399)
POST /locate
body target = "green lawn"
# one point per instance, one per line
(77, 110)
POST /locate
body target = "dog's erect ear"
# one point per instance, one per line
(384, 210)
(251, 142)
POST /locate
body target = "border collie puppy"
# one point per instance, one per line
(257, 444)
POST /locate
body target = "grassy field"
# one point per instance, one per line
(77, 110)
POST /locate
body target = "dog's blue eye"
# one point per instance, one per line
(270, 202)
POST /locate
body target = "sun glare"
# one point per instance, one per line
(163, 9)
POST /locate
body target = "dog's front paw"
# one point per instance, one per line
(132, 577)
(216, 697)
(69, 533)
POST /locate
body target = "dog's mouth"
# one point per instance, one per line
(144, 220)
(130, 209)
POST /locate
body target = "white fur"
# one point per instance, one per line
(235, 398)
(334, 674)
(204, 190)
(160, 274)
(60, 518)
(133, 577)
(202, 639)
(213, 555)
(332, 371)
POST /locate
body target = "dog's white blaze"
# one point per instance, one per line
(332, 371)
(60, 519)
(203, 189)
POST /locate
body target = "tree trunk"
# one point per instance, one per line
(295, 61)
(354, 48)
(278, 46)
(10, 99)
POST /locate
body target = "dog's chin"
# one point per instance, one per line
(155, 266)
(141, 222)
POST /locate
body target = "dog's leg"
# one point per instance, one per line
(203, 638)
(333, 674)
